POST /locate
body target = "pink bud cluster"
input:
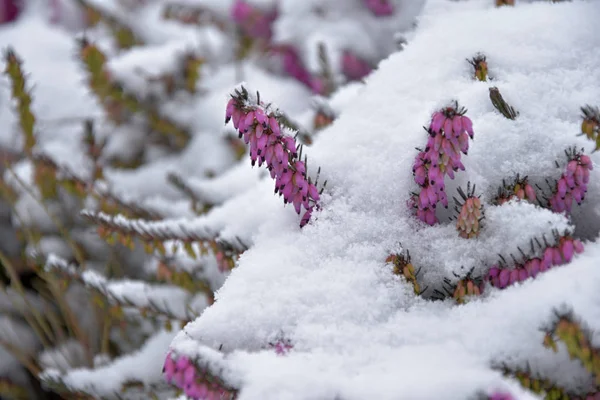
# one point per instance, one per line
(9, 10)
(294, 67)
(281, 347)
(260, 129)
(197, 385)
(449, 134)
(380, 8)
(554, 256)
(468, 221)
(252, 21)
(572, 185)
(518, 189)
(353, 67)
(501, 396)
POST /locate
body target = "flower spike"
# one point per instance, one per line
(260, 128)
(449, 132)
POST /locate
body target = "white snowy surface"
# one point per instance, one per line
(107, 380)
(357, 331)
(172, 301)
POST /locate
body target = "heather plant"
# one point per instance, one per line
(572, 185)
(470, 213)
(260, 128)
(106, 278)
(590, 126)
(517, 188)
(449, 134)
(480, 67)
(149, 258)
(504, 260)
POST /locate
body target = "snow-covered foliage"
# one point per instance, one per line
(283, 199)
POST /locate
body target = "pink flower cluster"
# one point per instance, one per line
(449, 134)
(554, 256)
(354, 68)
(380, 8)
(9, 10)
(518, 189)
(258, 24)
(260, 129)
(468, 220)
(253, 22)
(281, 347)
(572, 185)
(293, 66)
(183, 373)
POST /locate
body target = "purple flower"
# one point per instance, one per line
(572, 185)
(353, 67)
(282, 347)
(252, 21)
(294, 67)
(513, 276)
(196, 391)
(560, 254)
(260, 129)
(380, 8)
(9, 10)
(501, 396)
(181, 366)
(449, 133)
(195, 383)
(533, 267)
(504, 278)
(169, 367)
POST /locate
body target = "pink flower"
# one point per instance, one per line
(196, 391)
(196, 383)
(189, 375)
(282, 347)
(353, 67)
(572, 185)
(181, 365)
(501, 396)
(518, 188)
(9, 10)
(560, 254)
(470, 214)
(504, 278)
(379, 7)
(252, 21)
(169, 368)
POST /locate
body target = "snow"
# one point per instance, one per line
(172, 301)
(107, 380)
(234, 181)
(54, 102)
(357, 331)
